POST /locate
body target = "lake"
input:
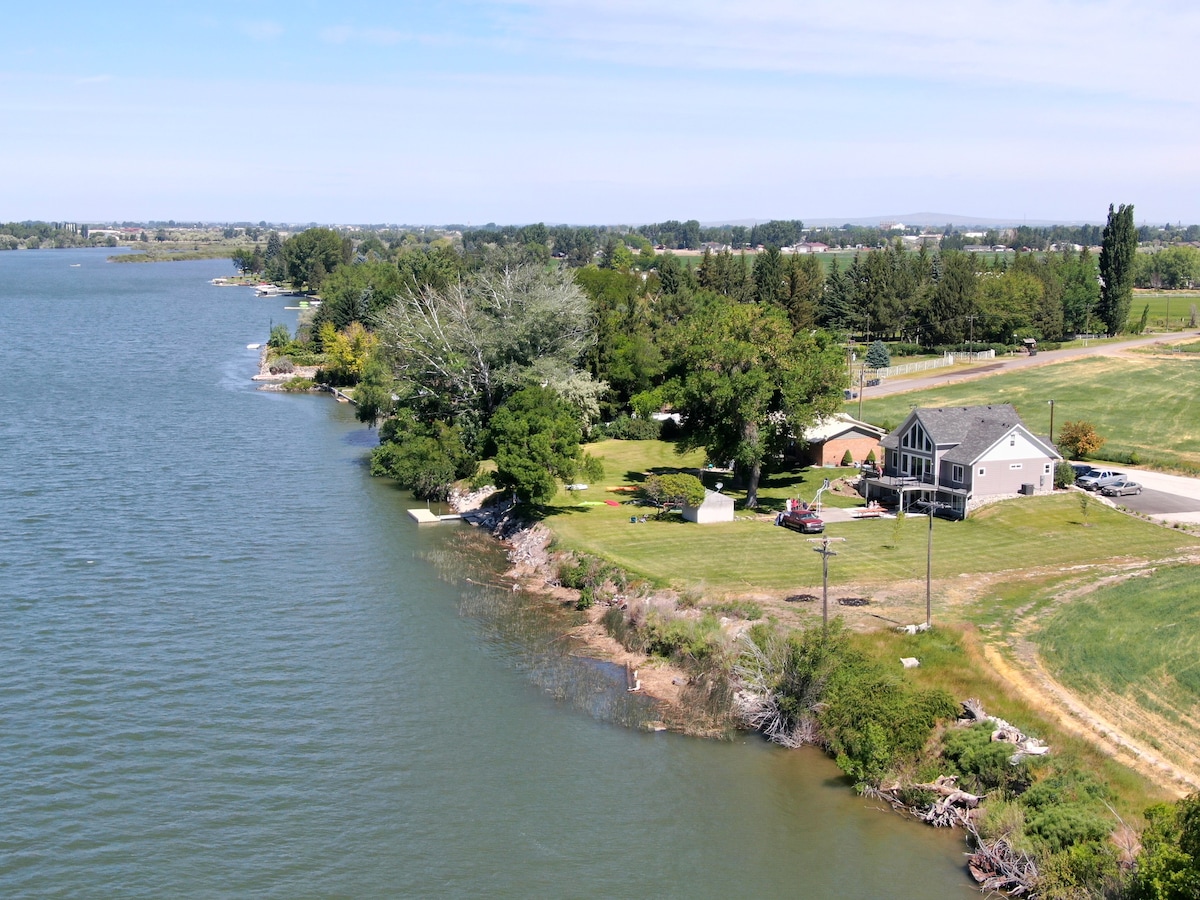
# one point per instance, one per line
(232, 666)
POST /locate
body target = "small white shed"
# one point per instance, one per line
(716, 507)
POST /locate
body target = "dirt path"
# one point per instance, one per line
(1029, 678)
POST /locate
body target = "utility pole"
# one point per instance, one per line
(1051, 402)
(825, 554)
(861, 370)
(932, 506)
(971, 324)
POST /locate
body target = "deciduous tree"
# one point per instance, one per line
(748, 382)
(537, 435)
(464, 348)
(1079, 439)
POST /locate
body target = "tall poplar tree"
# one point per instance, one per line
(1117, 248)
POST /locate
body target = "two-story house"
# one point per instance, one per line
(961, 456)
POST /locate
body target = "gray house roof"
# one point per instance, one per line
(969, 430)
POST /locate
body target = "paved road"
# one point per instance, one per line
(955, 374)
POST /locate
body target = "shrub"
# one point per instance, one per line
(625, 428)
(738, 609)
(280, 337)
(1064, 474)
(984, 763)
(281, 366)
(847, 459)
(1066, 808)
(674, 489)
(685, 640)
(298, 385)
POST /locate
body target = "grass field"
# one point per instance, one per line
(1175, 304)
(751, 554)
(1135, 646)
(1139, 405)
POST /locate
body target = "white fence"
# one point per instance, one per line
(948, 359)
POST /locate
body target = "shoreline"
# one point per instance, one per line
(531, 570)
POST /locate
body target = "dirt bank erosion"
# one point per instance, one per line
(533, 568)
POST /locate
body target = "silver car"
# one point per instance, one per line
(1121, 488)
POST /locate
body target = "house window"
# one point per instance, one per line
(1015, 466)
(1046, 469)
(956, 474)
(982, 470)
(917, 439)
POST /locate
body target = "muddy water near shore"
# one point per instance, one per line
(232, 666)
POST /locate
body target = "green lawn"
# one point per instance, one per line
(753, 554)
(1148, 406)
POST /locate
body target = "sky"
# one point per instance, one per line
(598, 111)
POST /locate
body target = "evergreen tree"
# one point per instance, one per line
(835, 311)
(768, 277)
(878, 356)
(1117, 249)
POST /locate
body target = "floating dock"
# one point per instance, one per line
(428, 517)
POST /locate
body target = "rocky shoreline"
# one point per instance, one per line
(533, 568)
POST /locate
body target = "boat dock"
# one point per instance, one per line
(428, 517)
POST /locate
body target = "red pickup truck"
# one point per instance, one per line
(803, 520)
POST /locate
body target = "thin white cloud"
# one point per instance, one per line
(261, 30)
(1104, 45)
(347, 34)
(94, 79)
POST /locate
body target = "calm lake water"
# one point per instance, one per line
(231, 666)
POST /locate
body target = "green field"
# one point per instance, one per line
(1139, 636)
(1135, 646)
(1144, 406)
(1176, 304)
(752, 554)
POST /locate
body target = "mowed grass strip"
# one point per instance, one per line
(1139, 636)
(1144, 406)
(753, 554)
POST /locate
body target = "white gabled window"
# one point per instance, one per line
(916, 439)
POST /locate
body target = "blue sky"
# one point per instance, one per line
(598, 112)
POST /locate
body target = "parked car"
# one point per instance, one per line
(803, 520)
(1099, 478)
(1082, 469)
(1121, 488)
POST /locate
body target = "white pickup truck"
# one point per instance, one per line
(1098, 478)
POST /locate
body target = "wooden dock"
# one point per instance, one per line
(429, 517)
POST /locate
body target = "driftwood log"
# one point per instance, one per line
(996, 866)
